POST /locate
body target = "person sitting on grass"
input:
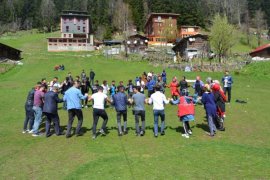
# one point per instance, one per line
(208, 100)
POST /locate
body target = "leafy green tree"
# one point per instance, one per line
(221, 36)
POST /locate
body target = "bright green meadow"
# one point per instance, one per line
(241, 152)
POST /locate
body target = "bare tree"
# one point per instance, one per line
(48, 13)
(259, 23)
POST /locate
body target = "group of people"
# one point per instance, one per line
(43, 100)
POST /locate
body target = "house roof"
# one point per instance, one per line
(186, 26)
(74, 13)
(1, 44)
(138, 35)
(187, 38)
(259, 49)
(159, 14)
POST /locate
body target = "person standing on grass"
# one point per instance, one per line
(186, 112)
(70, 78)
(38, 105)
(106, 87)
(99, 99)
(53, 83)
(138, 100)
(183, 87)
(94, 88)
(84, 90)
(44, 83)
(220, 100)
(92, 77)
(130, 88)
(120, 102)
(50, 110)
(73, 97)
(161, 84)
(227, 85)
(208, 100)
(29, 112)
(174, 88)
(158, 100)
(150, 86)
(83, 75)
(164, 76)
(198, 86)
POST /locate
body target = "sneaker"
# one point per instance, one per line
(156, 135)
(68, 135)
(120, 134)
(79, 134)
(24, 131)
(142, 133)
(36, 134)
(94, 136)
(101, 131)
(85, 106)
(82, 106)
(162, 133)
(189, 132)
(185, 135)
(125, 132)
(31, 132)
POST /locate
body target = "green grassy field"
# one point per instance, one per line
(241, 152)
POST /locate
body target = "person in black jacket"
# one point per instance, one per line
(51, 100)
(92, 77)
(29, 112)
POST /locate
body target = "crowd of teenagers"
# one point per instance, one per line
(42, 101)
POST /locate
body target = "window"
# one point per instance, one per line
(67, 28)
(69, 35)
(159, 18)
(79, 28)
(83, 29)
(84, 21)
(64, 35)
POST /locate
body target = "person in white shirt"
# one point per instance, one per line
(54, 83)
(106, 87)
(158, 99)
(99, 99)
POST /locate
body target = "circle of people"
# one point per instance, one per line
(43, 99)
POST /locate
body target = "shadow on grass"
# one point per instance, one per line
(203, 126)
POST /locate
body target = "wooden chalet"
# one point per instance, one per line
(198, 45)
(137, 43)
(8, 52)
(186, 31)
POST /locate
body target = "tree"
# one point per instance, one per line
(259, 24)
(48, 13)
(169, 32)
(221, 36)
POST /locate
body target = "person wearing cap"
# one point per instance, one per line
(158, 100)
(99, 99)
(50, 110)
(73, 97)
(120, 102)
(138, 101)
(227, 81)
(38, 105)
(208, 100)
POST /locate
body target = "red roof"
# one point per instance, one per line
(261, 48)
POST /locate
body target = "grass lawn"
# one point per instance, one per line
(241, 152)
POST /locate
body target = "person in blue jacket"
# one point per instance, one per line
(227, 81)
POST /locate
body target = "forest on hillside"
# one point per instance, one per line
(111, 16)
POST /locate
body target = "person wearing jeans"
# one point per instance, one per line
(120, 102)
(38, 104)
(227, 85)
(73, 97)
(138, 99)
(158, 100)
(29, 112)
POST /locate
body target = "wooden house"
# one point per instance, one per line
(155, 25)
(193, 46)
(262, 51)
(76, 33)
(186, 31)
(137, 44)
(7, 52)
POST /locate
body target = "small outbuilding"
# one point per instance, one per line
(193, 46)
(262, 51)
(8, 52)
(137, 44)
